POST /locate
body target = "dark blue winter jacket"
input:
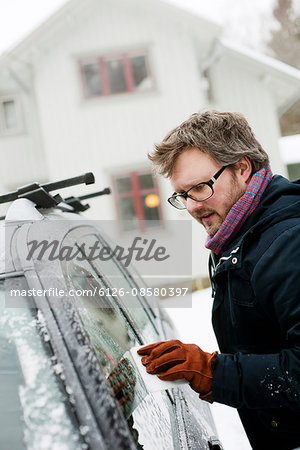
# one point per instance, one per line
(256, 318)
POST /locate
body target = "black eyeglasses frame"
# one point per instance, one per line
(209, 183)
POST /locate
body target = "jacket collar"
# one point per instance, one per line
(280, 201)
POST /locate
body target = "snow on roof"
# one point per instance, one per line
(262, 59)
(65, 15)
(289, 147)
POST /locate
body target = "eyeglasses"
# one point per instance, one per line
(199, 192)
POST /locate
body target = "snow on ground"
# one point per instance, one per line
(194, 326)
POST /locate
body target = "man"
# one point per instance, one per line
(221, 176)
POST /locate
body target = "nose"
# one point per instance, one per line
(192, 205)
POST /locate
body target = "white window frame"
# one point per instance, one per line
(3, 129)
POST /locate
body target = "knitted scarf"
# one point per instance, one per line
(240, 211)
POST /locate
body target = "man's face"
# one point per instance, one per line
(193, 167)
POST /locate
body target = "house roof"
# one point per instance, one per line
(282, 79)
(261, 59)
(73, 11)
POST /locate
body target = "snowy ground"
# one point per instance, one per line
(194, 326)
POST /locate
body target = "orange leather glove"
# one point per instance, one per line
(173, 360)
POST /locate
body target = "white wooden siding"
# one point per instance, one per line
(236, 88)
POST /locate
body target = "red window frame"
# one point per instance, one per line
(136, 193)
(103, 73)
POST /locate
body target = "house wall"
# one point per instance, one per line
(21, 150)
(107, 134)
(238, 87)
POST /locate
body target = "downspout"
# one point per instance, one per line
(215, 54)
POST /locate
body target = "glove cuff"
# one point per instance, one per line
(208, 397)
(214, 360)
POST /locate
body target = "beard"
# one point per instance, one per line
(212, 219)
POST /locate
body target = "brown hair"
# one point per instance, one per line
(225, 136)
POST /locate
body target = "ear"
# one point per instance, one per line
(244, 169)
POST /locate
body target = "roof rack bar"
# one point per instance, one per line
(21, 192)
(87, 178)
(75, 202)
(105, 191)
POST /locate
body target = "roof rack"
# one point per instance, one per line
(39, 194)
(75, 202)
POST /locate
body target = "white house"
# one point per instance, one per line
(289, 147)
(96, 85)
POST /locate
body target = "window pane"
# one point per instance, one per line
(150, 213)
(10, 115)
(146, 181)
(149, 416)
(92, 79)
(106, 326)
(128, 214)
(140, 73)
(11, 378)
(154, 421)
(293, 171)
(123, 184)
(110, 270)
(116, 76)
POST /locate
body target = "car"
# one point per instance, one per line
(66, 382)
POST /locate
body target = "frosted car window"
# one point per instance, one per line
(34, 413)
(153, 418)
(109, 332)
(149, 415)
(117, 279)
(198, 420)
(110, 335)
(10, 377)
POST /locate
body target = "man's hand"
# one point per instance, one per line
(173, 360)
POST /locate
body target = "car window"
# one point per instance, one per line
(112, 334)
(34, 410)
(117, 283)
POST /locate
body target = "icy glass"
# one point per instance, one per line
(33, 409)
(109, 333)
(199, 421)
(92, 79)
(149, 415)
(153, 419)
(116, 75)
(107, 329)
(110, 270)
